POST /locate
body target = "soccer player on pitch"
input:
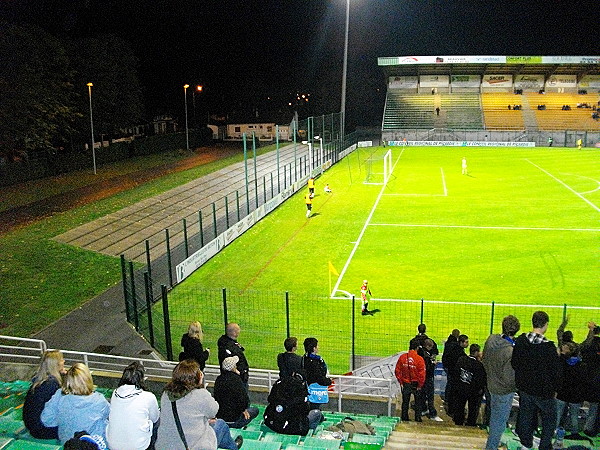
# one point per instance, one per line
(364, 290)
(311, 187)
(464, 166)
(308, 201)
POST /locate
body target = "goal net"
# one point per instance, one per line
(378, 168)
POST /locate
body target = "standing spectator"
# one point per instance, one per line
(590, 353)
(469, 387)
(232, 396)
(497, 354)
(426, 351)
(229, 346)
(569, 394)
(185, 400)
(45, 383)
(410, 373)
(537, 371)
(77, 406)
(421, 337)
(562, 335)
(314, 366)
(133, 418)
(192, 345)
(450, 341)
(449, 360)
(289, 362)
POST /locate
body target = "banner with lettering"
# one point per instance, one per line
(496, 81)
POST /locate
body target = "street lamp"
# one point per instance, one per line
(89, 85)
(187, 137)
(310, 154)
(198, 90)
(345, 70)
(320, 139)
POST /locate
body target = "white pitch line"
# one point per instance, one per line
(444, 182)
(362, 232)
(475, 227)
(565, 185)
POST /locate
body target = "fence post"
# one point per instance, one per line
(237, 202)
(564, 311)
(168, 244)
(124, 278)
(492, 317)
(149, 266)
(136, 319)
(278, 187)
(214, 209)
(265, 189)
(167, 322)
(226, 212)
(201, 228)
(422, 309)
(185, 238)
(353, 331)
(149, 306)
(225, 308)
(287, 313)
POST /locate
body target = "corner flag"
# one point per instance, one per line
(332, 270)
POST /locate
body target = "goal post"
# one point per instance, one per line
(379, 169)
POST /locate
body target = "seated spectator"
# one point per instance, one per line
(288, 410)
(192, 345)
(45, 383)
(232, 396)
(569, 394)
(84, 441)
(289, 362)
(469, 386)
(187, 406)
(133, 418)
(314, 367)
(77, 407)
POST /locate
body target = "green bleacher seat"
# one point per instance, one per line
(303, 447)
(368, 439)
(246, 434)
(10, 427)
(361, 446)
(284, 439)
(326, 434)
(329, 444)
(5, 442)
(251, 444)
(27, 445)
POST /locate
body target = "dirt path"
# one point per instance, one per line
(21, 216)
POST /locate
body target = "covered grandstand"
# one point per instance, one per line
(500, 98)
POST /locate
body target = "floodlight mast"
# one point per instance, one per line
(344, 73)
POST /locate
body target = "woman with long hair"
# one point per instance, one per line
(77, 407)
(187, 414)
(192, 345)
(44, 384)
(133, 419)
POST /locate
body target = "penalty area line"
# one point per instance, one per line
(476, 227)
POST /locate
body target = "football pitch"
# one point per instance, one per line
(521, 230)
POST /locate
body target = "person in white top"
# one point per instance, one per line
(134, 413)
(464, 166)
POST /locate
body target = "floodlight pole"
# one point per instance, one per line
(89, 85)
(345, 72)
(187, 137)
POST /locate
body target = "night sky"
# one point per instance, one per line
(266, 51)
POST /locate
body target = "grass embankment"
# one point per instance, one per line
(41, 280)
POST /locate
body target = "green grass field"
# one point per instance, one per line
(521, 229)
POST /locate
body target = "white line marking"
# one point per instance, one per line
(449, 302)
(565, 185)
(595, 230)
(362, 232)
(444, 182)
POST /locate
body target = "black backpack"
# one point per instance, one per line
(287, 411)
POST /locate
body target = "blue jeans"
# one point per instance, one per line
(315, 417)
(500, 406)
(224, 439)
(573, 415)
(241, 422)
(529, 407)
(592, 424)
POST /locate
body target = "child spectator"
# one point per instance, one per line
(569, 393)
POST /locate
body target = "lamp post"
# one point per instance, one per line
(89, 85)
(345, 71)
(187, 137)
(197, 90)
(320, 139)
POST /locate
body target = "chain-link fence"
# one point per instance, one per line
(267, 318)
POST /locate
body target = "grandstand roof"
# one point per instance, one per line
(482, 65)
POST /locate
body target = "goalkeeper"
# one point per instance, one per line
(364, 290)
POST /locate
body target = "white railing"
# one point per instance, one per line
(29, 351)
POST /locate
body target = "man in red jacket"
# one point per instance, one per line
(410, 372)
